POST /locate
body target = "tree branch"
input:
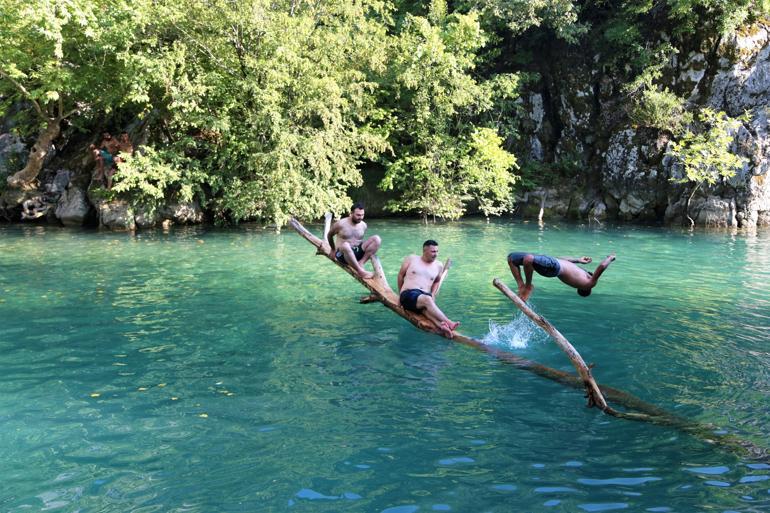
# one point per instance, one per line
(26, 93)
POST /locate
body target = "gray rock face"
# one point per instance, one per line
(632, 174)
(73, 207)
(13, 154)
(184, 213)
(742, 80)
(627, 166)
(175, 213)
(116, 215)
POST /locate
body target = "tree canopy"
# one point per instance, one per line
(264, 109)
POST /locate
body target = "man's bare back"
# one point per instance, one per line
(562, 267)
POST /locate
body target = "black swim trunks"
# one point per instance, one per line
(357, 251)
(409, 299)
(544, 265)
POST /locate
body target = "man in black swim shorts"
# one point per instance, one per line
(562, 267)
(418, 281)
(351, 248)
(358, 252)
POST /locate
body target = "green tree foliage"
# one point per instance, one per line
(65, 60)
(444, 157)
(263, 109)
(560, 16)
(279, 123)
(152, 178)
(705, 154)
(656, 107)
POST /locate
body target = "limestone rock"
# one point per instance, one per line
(116, 215)
(73, 207)
(184, 213)
(13, 155)
(633, 173)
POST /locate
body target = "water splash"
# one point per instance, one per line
(516, 334)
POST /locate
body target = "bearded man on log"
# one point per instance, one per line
(351, 248)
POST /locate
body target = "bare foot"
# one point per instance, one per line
(452, 325)
(446, 330)
(366, 275)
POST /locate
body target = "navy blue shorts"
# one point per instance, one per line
(409, 297)
(357, 251)
(544, 265)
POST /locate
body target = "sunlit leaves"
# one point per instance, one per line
(445, 158)
(705, 155)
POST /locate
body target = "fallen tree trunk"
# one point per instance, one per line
(637, 409)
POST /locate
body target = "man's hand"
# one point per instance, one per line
(585, 260)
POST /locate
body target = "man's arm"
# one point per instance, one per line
(602, 267)
(577, 260)
(437, 282)
(402, 273)
(330, 236)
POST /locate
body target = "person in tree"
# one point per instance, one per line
(124, 146)
(104, 155)
(418, 280)
(351, 248)
(562, 267)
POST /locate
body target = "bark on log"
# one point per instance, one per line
(637, 409)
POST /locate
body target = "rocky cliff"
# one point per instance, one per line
(575, 117)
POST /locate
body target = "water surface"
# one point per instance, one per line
(207, 370)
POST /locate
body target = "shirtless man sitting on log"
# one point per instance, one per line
(351, 248)
(564, 268)
(418, 280)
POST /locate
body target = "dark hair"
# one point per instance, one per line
(358, 205)
(429, 242)
(584, 292)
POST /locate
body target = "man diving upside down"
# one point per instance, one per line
(564, 268)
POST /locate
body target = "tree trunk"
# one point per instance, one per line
(25, 178)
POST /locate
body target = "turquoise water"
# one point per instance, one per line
(214, 370)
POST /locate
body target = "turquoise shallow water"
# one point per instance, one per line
(232, 370)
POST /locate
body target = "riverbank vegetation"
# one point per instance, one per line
(266, 109)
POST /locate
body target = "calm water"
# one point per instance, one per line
(208, 370)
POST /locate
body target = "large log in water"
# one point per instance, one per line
(634, 407)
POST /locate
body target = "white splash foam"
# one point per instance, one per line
(515, 335)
